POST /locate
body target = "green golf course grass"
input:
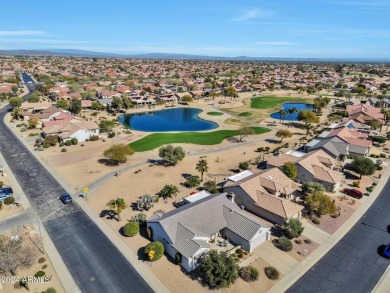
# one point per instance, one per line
(214, 113)
(156, 140)
(245, 114)
(268, 102)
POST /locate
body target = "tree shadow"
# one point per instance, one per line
(270, 140)
(107, 162)
(108, 214)
(233, 139)
(155, 162)
(186, 175)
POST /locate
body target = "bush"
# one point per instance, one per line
(1, 184)
(370, 189)
(131, 229)
(64, 150)
(93, 138)
(243, 165)
(271, 273)
(249, 274)
(316, 221)
(139, 218)
(382, 155)
(240, 253)
(9, 200)
(298, 241)
(158, 249)
(68, 143)
(178, 258)
(356, 183)
(74, 141)
(50, 290)
(44, 267)
(41, 260)
(366, 194)
(39, 274)
(284, 244)
(307, 241)
(292, 228)
(111, 134)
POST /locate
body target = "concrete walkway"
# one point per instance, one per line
(274, 256)
(284, 284)
(314, 233)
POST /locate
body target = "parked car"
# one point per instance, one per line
(386, 251)
(66, 198)
(353, 192)
(6, 192)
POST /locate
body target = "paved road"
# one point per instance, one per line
(354, 264)
(92, 259)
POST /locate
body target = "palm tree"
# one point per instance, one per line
(308, 127)
(169, 190)
(202, 167)
(118, 205)
(17, 113)
(282, 114)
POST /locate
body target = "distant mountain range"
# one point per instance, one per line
(84, 53)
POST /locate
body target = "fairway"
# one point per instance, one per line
(269, 102)
(245, 114)
(214, 113)
(156, 140)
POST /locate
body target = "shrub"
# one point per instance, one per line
(284, 244)
(244, 165)
(111, 134)
(39, 274)
(74, 141)
(41, 260)
(61, 144)
(1, 184)
(9, 200)
(382, 155)
(366, 194)
(356, 183)
(292, 228)
(50, 290)
(316, 221)
(249, 274)
(370, 189)
(271, 273)
(178, 258)
(158, 249)
(240, 253)
(68, 143)
(139, 218)
(131, 229)
(298, 241)
(93, 138)
(307, 241)
(64, 150)
(44, 267)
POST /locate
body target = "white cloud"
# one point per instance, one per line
(253, 13)
(275, 43)
(42, 41)
(21, 33)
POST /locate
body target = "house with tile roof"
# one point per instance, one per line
(364, 113)
(190, 231)
(266, 194)
(318, 166)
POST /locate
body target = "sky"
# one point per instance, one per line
(268, 28)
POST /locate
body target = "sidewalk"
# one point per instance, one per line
(284, 284)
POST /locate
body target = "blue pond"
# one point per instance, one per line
(177, 119)
(293, 116)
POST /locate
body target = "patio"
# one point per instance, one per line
(222, 244)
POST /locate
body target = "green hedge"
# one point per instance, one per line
(131, 229)
(158, 249)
